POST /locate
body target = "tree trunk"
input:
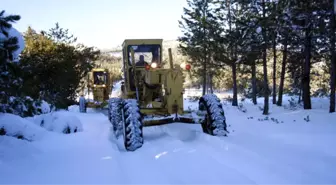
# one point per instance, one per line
(274, 53)
(274, 67)
(301, 81)
(333, 62)
(306, 69)
(204, 78)
(254, 83)
(266, 90)
(211, 83)
(233, 63)
(283, 71)
(234, 76)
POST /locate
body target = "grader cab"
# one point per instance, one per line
(153, 95)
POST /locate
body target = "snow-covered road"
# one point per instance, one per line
(254, 153)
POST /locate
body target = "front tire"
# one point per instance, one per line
(214, 122)
(133, 125)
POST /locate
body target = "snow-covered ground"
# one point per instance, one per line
(284, 148)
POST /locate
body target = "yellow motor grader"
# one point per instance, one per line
(99, 84)
(153, 95)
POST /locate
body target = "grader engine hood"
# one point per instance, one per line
(171, 82)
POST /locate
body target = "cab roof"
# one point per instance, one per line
(99, 70)
(142, 42)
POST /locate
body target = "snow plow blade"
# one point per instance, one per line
(167, 120)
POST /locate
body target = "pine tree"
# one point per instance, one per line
(251, 41)
(305, 21)
(197, 25)
(264, 52)
(285, 34)
(54, 67)
(9, 83)
(228, 14)
(333, 57)
(274, 27)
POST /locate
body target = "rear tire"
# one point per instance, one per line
(115, 115)
(133, 124)
(214, 122)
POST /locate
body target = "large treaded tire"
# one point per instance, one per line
(214, 122)
(115, 115)
(133, 125)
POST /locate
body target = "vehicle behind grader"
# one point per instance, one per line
(153, 95)
(99, 83)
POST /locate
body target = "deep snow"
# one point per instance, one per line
(287, 150)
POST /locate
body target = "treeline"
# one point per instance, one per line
(52, 68)
(285, 37)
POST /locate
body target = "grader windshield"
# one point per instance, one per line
(99, 78)
(145, 54)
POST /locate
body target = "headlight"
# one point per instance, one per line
(94, 85)
(185, 66)
(154, 65)
(188, 67)
(104, 85)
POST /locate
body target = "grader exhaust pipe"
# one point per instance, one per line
(170, 58)
(134, 76)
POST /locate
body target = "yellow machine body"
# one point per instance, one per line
(153, 95)
(158, 90)
(99, 83)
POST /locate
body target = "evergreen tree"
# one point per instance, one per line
(274, 15)
(9, 83)
(229, 13)
(285, 35)
(333, 57)
(251, 40)
(250, 31)
(264, 52)
(198, 25)
(54, 67)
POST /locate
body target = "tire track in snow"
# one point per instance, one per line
(141, 165)
(200, 144)
(290, 157)
(191, 159)
(240, 159)
(98, 128)
(257, 165)
(168, 159)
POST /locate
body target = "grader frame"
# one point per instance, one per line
(158, 90)
(153, 95)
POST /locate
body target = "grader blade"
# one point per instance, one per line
(167, 120)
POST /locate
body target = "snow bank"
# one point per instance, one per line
(73, 108)
(60, 121)
(16, 150)
(15, 126)
(25, 106)
(45, 107)
(116, 91)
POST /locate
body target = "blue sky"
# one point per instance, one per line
(101, 23)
